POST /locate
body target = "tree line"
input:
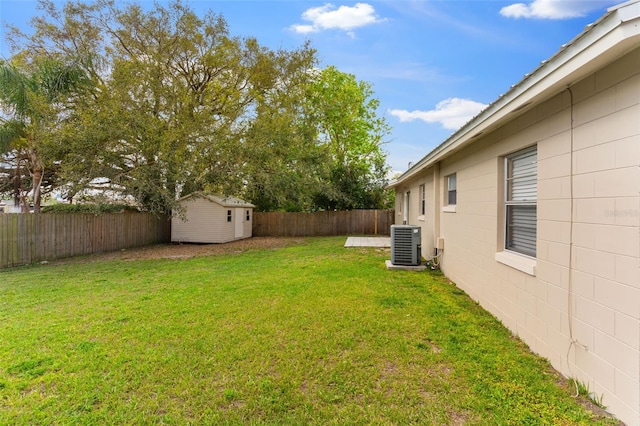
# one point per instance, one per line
(125, 103)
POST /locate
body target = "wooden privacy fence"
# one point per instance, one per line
(284, 224)
(30, 238)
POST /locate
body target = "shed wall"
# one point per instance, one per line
(206, 222)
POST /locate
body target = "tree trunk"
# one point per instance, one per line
(37, 174)
(37, 181)
(17, 186)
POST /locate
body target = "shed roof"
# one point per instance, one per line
(223, 200)
(617, 32)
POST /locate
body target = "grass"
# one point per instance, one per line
(308, 334)
(584, 391)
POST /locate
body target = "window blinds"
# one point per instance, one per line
(522, 193)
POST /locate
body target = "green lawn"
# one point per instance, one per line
(311, 333)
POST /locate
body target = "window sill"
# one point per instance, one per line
(421, 218)
(517, 261)
(449, 209)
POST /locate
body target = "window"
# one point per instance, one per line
(452, 190)
(521, 193)
(248, 215)
(228, 215)
(422, 200)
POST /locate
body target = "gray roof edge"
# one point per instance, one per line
(223, 200)
(506, 102)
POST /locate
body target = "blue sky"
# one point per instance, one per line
(432, 64)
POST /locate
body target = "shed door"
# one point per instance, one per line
(239, 225)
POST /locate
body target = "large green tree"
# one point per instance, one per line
(35, 97)
(352, 134)
(282, 160)
(319, 147)
(169, 117)
(177, 104)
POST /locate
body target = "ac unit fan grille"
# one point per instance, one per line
(405, 245)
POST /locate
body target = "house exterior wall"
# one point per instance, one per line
(578, 302)
(605, 258)
(427, 221)
(206, 222)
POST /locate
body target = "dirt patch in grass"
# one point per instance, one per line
(185, 251)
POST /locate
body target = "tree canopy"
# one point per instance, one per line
(172, 103)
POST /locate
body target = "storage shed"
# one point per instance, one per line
(211, 218)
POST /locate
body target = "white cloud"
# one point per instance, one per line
(451, 113)
(343, 18)
(303, 29)
(553, 9)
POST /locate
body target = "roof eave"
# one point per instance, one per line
(608, 38)
(218, 199)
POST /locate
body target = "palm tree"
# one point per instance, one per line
(32, 100)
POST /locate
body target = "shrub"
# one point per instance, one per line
(88, 208)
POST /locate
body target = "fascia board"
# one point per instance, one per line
(627, 11)
(218, 199)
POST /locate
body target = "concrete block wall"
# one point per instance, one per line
(581, 306)
(606, 234)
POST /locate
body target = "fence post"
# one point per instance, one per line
(375, 221)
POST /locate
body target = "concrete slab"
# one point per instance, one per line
(391, 266)
(382, 242)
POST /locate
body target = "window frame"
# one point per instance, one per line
(229, 216)
(452, 191)
(423, 203)
(523, 205)
(407, 206)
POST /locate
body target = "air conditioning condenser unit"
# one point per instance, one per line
(406, 245)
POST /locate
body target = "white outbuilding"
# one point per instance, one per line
(211, 218)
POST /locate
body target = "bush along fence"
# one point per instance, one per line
(32, 238)
(352, 222)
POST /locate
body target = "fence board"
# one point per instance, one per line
(29, 238)
(360, 222)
